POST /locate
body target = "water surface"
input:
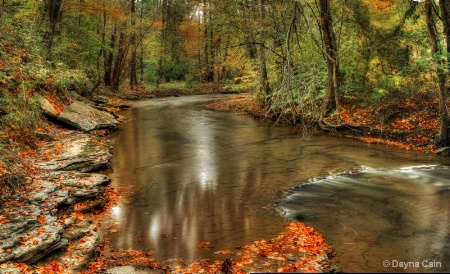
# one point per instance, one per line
(196, 175)
(383, 220)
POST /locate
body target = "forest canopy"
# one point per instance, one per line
(300, 58)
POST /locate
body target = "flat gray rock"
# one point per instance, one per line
(30, 231)
(86, 118)
(75, 151)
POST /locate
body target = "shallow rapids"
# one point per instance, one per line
(380, 219)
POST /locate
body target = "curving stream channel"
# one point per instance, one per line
(193, 175)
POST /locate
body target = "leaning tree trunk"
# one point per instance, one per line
(443, 90)
(331, 101)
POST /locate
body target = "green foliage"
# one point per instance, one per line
(302, 94)
(72, 80)
(22, 113)
(175, 71)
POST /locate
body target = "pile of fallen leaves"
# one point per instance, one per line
(298, 249)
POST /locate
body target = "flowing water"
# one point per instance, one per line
(195, 175)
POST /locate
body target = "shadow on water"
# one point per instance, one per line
(380, 220)
(194, 175)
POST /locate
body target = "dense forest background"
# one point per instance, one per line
(303, 59)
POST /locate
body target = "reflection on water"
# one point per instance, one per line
(194, 175)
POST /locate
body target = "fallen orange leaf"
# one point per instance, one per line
(41, 219)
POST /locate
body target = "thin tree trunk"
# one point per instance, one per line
(443, 90)
(133, 61)
(109, 57)
(264, 83)
(54, 11)
(331, 101)
(2, 8)
(209, 73)
(119, 61)
(159, 71)
(141, 47)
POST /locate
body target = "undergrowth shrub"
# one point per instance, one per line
(22, 116)
(72, 80)
(12, 172)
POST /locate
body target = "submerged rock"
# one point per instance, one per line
(86, 118)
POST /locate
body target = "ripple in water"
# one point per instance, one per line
(372, 216)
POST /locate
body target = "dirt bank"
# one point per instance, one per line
(411, 124)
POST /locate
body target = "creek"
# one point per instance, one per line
(192, 175)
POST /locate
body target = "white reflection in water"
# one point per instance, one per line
(116, 213)
(203, 136)
(155, 228)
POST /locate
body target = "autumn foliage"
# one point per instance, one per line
(298, 249)
(411, 124)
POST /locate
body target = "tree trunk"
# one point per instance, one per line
(119, 61)
(133, 61)
(264, 83)
(208, 34)
(443, 90)
(109, 57)
(159, 71)
(2, 7)
(215, 62)
(54, 12)
(141, 47)
(331, 100)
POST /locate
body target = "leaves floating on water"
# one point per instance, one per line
(205, 245)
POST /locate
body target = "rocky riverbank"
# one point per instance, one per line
(42, 217)
(45, 215)
(51, 224)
